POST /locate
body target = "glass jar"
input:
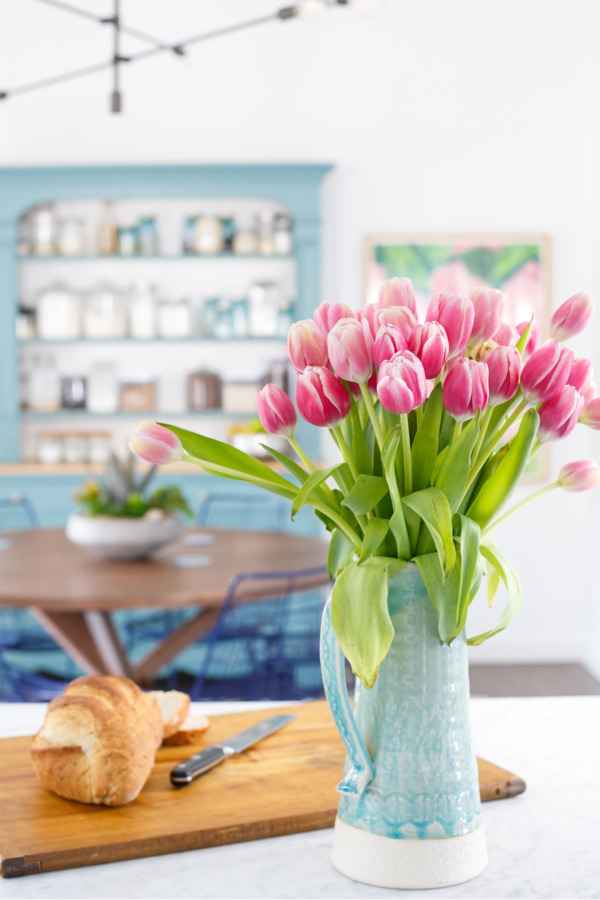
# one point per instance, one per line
(43, 386)
(208, 235)
(189, 235)
(74, 390)
(174, 318)
(25, 323)
(143, 308)
(282, 234)
(99, 447)
(228, 228)
(70, 240)
(43, 230)
(138, 394)
(245, 241)
(128, 239)
(76, 447)
(265, 299)
(265, 225)
(148, 236)
(239, 316)
(204, 390)
(105, 315)
(223, 320)
(58, 313)
(209, 316)
(103, 388)
(106, 233)
(49, 448)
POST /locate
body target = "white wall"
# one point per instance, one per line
(463, 116)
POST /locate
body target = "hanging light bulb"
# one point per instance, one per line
(367, 7)
(313, 11)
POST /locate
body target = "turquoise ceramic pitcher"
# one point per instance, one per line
(409, 814)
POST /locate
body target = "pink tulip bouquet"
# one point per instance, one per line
(435, 422)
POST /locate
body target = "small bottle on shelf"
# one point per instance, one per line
(103, 388)
(106, 232)
(43, 387)
(142, 311)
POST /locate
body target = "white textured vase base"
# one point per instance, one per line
(408, 863)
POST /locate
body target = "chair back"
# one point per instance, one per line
(239, 510)
(17, 513)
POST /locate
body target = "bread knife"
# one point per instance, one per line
(195, 765)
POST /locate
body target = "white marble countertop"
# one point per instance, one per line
(544, 843)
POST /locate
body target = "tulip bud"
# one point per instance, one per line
(533, 338)
(504, 366)
(558, 416)
(397, 292)
(401, 385)
(581, 375)
(430, 343)
(156, 444)
(389, 340)
(466, 388)
(276, 411)
(400, 316)
(546, 372)
(350, 347)
(327, 314)
(369, 314)
(456, 314)
(572, 317)
(307, 345)
(506, 335)
(579, 476)
(487, 304)
(321, 397)
(591, 414)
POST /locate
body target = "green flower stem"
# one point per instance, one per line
(340, 522)
(301, 454)
(420, 415)
(456, 430)
(406, 451)
(518, 506)
(370, 407)
(344, 449)
(491, 446)
(483, 427)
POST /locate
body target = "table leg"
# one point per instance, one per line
(89, 638)
(177, 641)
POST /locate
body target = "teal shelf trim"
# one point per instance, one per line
(32, 415)
(169, 257)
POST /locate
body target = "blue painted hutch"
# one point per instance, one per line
(296, 187)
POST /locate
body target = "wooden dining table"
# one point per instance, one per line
(75, 594)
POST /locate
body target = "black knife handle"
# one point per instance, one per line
(201, 762)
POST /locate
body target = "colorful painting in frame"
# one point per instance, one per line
(518, 264)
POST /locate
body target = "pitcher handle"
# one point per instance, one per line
(362, 770)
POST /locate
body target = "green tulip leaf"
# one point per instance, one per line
(360, 616)
(310, 486)
(432, 506)
(500, 485)
(291, 465)
(445, 594)
(469, 540)
(340, 553)
(365, 494)
(375, 534)
(455, 470)
(426, 442)
(513, 585)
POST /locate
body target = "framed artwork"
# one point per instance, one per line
(518, 264)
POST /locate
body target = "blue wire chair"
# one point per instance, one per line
(19, 632)
(256, 512)
(265, 643)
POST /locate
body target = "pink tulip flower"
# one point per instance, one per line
(327, 314)
(533, 339)
(466, 388)
(506, 335)
(430, 343)
(400, 316)
(456, 313)
(398, 292)
(401, 385)
(504, 366)
(558, 416)
(156, 444)
(546, 371)
(488, 304)
(579, 476)
(321, 397)
(572, 317)
(589, 392)
(581, 375)
(389, 340)
(591, 414)
(307, 345)
(369, 314)
(276, 411)
(350, 346)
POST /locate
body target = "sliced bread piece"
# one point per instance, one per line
(174, 707)
(189, 733)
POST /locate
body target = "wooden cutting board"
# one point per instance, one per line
(283, 785)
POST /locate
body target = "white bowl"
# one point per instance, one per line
(122, 538)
